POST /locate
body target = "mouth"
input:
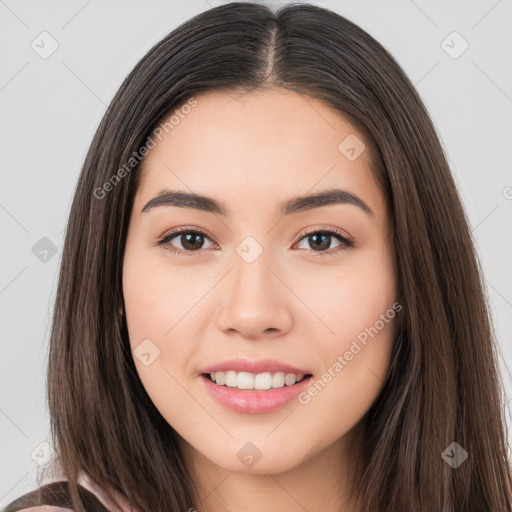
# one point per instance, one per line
(255, 382)
(248, 393)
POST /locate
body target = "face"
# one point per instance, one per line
(256, 285)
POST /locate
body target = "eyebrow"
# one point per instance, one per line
(296, 204)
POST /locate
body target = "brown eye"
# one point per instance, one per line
(186, 241)
(191, 241)
(321, 241)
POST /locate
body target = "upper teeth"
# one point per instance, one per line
(261, 381)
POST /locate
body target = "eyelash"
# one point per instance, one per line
(346, 243)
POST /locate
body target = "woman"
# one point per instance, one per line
(269, 295)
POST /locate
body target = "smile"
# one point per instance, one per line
(261, 381)
(254, 400)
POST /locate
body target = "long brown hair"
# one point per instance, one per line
(443, 384)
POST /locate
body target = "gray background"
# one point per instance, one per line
(51, 107)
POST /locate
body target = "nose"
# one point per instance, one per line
(255, 302)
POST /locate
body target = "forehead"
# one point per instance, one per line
(245, 147)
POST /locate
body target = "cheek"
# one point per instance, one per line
(158, 306)
(159, 297)
(159, 303)
(362, 305)
(349, 299)
(354, 367)
(357, 309)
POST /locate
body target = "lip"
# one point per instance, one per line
(254, 401)
(257, 366)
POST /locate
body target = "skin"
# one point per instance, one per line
(288, 304)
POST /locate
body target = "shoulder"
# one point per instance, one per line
(54, 497)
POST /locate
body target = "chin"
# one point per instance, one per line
(258, 458)
(266, 465)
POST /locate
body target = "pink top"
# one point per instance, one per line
(87, 483)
